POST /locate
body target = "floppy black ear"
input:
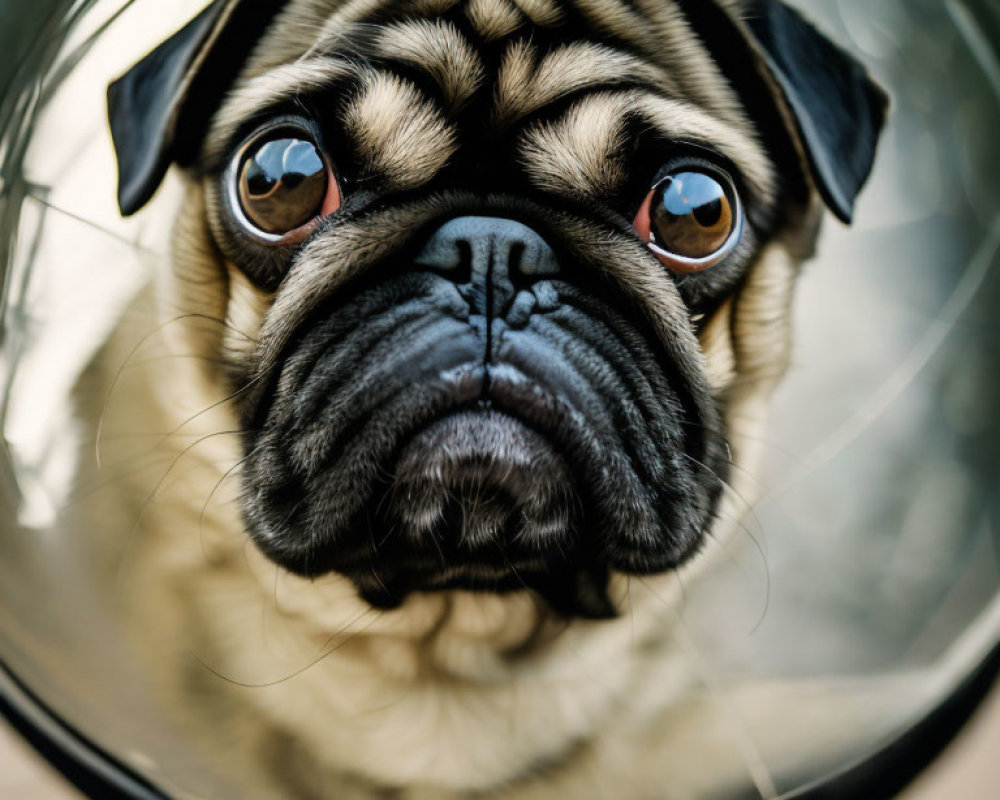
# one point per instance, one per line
(837, 110)
(160, 109)
(801, 88)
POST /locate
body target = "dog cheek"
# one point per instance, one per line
(760, 320)
(716, 343)
(246, 309)
(196, 284)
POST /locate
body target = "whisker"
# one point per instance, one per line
(128, 358)
(310, 665)
(151, 497)
(35, 193)
(211, 494)
(738, 521)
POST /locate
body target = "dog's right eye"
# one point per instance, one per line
(283, 185)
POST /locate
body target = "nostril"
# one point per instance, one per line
(535, 259)
(520, 269)
(462, 272)
(516, 255)
(448, 255)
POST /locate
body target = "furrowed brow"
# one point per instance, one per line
(280, 85)
(678, 120)
(439, 50)
(580, 152)
(526, 84)
(400, 133)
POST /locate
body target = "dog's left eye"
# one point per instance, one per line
(691, 220)
(283, 185)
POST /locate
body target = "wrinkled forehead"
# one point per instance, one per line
(566, 73)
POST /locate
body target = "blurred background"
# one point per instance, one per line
(876, 549)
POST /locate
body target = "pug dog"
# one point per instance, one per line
(474, 311)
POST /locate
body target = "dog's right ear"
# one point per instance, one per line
(160, 109)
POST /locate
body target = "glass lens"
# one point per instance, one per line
(854, 596)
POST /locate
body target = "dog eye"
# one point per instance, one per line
(691, 220)
(283, 185)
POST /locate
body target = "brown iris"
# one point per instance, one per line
(282, 184)
(690, 215)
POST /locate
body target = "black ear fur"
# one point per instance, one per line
(804, 91)
(838, 110)
(160, 109)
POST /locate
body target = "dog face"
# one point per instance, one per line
(495, 269)
(495, 292)
(481, 254)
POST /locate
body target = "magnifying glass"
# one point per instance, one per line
(862, 597)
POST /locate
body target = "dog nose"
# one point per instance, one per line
(496, 256)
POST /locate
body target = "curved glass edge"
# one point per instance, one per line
(826, 783)
(881, 776)
(892, 768)
(92, 770)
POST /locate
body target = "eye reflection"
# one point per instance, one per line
(282, 185)
(690, 215)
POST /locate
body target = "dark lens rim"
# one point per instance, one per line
(88, 767)
(880, 776)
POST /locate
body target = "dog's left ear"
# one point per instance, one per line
(828, 104)
(838, 110)
(160, 109)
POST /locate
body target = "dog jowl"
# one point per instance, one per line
(496, 264)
